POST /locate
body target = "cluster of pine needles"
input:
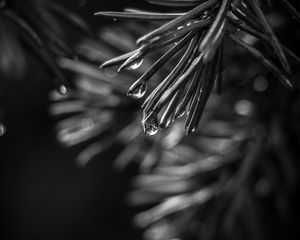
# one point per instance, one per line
(197, 38)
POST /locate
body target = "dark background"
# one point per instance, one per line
(43, 194)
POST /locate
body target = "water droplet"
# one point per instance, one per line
(260, 84)
(114, 19)
(194, 129)
(243, 107)
(86, 124)
(135, 65)
(150, 124)
(2, 129)
(205, 14)
(139, 91)
(59, 94)
(63, 90)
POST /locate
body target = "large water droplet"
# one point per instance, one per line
(138, 92)
(135, 65)
(150, 124)
(2, 129)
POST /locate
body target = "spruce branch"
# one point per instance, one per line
(193, 39)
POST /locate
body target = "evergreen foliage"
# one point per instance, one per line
(219, 61)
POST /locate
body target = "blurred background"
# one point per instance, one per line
(43, 194)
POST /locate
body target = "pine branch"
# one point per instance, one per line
(203, 26)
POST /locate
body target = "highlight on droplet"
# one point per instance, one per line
(135, 65)
(139, 91)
